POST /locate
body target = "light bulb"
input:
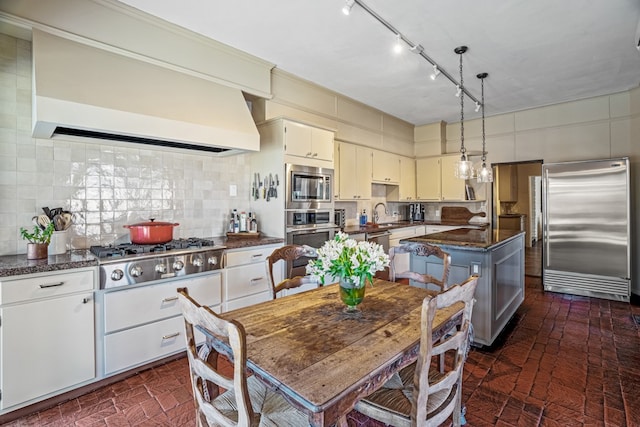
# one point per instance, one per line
(397, 48)
(346, 9)
(436, 72)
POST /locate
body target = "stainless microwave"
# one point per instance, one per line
(308, 187)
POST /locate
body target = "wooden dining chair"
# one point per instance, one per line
(288, 254)
(419, 395)
(246, 401)
(420, 249)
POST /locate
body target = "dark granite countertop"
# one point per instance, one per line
(14, 265)
(372, 228)
(467, 238)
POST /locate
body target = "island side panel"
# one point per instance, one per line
(500, 289)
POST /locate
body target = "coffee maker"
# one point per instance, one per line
(415, 212)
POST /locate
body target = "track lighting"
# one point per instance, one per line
(346, 9)
(436, 72)
(458, 91)
(477, 106)
(397, 48)
(417, 49)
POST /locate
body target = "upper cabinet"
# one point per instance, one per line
(428, 175)
(435, 179)
(355, 174)
(386, 167)
(406, 190)
(309, 142)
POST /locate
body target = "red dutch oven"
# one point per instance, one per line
(151, 232)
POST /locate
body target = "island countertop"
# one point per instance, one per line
(467, 238)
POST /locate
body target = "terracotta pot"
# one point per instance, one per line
(151, 232)
(37, 250)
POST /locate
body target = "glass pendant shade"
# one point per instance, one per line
(485, 174)
(464, 168)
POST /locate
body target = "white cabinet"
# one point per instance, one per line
(47, 339)
(143, 324)
(246, 280)
(306, 141)
(436, 180)
(428, 177)
(386, 167)
(355, 172)
(406, 190)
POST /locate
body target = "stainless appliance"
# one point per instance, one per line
(310, 227)
(415, 212)
(586, 228)
(308, 187)
(132, 264)
(381, 238)
(339, 217)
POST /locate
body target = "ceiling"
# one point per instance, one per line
(536, 52)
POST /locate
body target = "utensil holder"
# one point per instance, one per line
(59, 242)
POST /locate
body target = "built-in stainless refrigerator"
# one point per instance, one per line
(586, 228)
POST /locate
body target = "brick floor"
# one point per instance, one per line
(562, 361)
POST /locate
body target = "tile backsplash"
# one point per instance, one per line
(104, 184)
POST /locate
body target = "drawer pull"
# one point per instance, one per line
(85, 300)
(51, 285)
(168, 299)
(166, 337)
(256, 256)
(257, 279)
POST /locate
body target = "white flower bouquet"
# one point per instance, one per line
(348, 259)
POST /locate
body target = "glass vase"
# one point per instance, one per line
(351, 293)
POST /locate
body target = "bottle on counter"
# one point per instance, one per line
(236, 221)
(254, 224)
(363, 217)
(243, 222)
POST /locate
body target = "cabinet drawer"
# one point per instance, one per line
(132, 307)
(144, 344)
(247, 301)
(46, 285)
(249, 256)
(246, 280)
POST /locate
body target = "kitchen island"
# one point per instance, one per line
(497, 257)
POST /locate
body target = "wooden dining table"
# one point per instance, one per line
(322, 359)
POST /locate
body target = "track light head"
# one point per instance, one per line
(397, 48)
(346, 9)
(436, 72)
(477, 106)
(458, 91)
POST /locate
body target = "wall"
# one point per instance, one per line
(105, 185)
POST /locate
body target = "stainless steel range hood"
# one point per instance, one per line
(87, 91)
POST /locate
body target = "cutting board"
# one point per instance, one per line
(458, 214)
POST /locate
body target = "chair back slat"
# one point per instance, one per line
(425, 250)
(287, 254)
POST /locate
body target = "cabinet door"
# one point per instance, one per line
(321, 144)
(428, 177)
(452, 188)
(386, 167)
(407, 185)
(355, 172)
(297, 139)
(46, 346)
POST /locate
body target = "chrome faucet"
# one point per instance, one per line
(375, 212)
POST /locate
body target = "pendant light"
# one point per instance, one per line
(484, 174)
(464, 168)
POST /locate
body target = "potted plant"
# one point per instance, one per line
(352, 262)
(39, 240)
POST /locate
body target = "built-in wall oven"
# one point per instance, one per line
(308, 227)
(308, 187)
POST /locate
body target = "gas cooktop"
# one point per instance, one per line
(125, 249)
(132, 264)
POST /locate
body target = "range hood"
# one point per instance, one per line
(86, 91)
